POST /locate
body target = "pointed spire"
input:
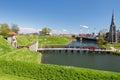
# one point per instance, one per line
(112, 32)
(112, 21)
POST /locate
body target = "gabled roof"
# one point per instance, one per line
(11, 33)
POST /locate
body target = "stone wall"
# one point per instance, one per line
(9, 39)
(34, 46)
(12, 40)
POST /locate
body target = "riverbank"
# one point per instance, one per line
(54, 72)
(23, 64)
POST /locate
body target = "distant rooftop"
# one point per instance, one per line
(11, 33)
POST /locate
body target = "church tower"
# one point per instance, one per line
(112, 31)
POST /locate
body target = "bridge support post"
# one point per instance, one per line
(59, 51)
(78, 51)
(66, 51)
(71, 51)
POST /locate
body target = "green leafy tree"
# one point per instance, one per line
(101, 41)
(46, 31)
(4, 29)
(15, 28)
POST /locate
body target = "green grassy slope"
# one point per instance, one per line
(12, 77)
(4, 46)
(22, 64)
(116, 45)
(54, 72)
(26, 40)
(7, 52)
(24, 55)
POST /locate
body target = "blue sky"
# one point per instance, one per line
(62, 16)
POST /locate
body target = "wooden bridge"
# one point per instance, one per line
(74, 50)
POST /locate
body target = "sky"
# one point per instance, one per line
(61, 16)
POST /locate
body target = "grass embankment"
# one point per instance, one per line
(54, 72)
(7, 52)
(23, 64)
(23, 55)
(12, 77)
(5, 46)
(43, 40)
(116, 45)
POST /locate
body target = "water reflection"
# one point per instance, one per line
(102, 62)
(83, 44)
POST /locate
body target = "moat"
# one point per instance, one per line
(94, 61)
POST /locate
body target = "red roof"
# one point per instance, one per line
(12, 33)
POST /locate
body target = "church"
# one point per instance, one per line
(113, 34)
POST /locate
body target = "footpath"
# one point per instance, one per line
(114, 49)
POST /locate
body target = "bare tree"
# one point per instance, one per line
(15, 28)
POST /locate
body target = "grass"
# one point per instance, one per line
(22, 64)
(54, 72)
(42, 40)
(107, 46)
(12, 77)
(24, 55)
(5, 46)
(116, 45)
(7, 52)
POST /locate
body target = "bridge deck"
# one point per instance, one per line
(95, 50)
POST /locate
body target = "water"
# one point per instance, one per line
(93, 61)
(83, 44)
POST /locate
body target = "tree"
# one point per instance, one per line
(4, 29)
(101, 41)
(102, 33)
(15, 28)
(46, 31)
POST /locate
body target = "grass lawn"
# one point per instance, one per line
(7, 52)
(42, 40)
(4, 46)
(116, 45)
(24, 55)
(12, 77)
(54, 72)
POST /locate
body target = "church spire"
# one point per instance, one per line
(112, 21)
(112, 32)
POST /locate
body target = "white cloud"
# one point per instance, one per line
(84, 26)
(28, 30)
(63, 31)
